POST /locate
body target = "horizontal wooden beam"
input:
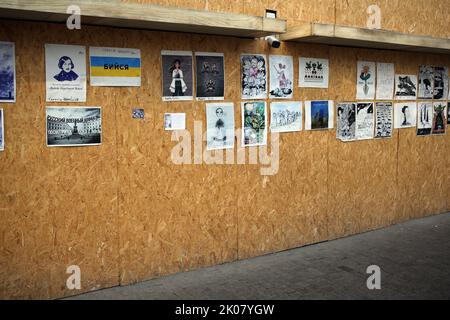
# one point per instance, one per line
(144, 16)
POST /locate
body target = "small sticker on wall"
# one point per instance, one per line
(138, 113)
(174, 121)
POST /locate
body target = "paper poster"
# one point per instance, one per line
(313, 73)
(424, 118)
(254, 123)
(253, 76)
(115, 67)
(73, 126)
(285, 116)
(440, 83)
(2, 131)
(346, 121)
(138, 113)
(448, 113)
(177, 75)
(220, 126)
(319, 115)
(174, 121)
(365, 81)
(210, 74)
(405, 87)
(281, 77)
(65, 67)
(384, 120)
(385, 81)
(426, 82)
(7, 72)
(405, 115)
(439, 118)
(364, 121)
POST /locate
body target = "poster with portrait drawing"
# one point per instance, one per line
(285, 116)
(440, 83)
(254, 123)
(65, 68)
(364, 121)
(313, 73)
(384, 120)
(319, 115)
(439, 118)
(365, 80)
(210, 73)
(405, 115)
(7, 72)
(281, 77)
(385, 81)
(220, 126)
(405, 87)
(2, 131)
(424, 118)
(253, 76)
(346, 121)
(177, 75)
(426, 82)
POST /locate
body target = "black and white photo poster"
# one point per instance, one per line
(281, 77)
(385, 81)
(254, 124)
(439, 118)
(253, 76)
(313, 73)
(210, 72)
(426, 82)
(346, 121)
(7, 72)
(405, 87)
(364, 121)
(74, 126)
(384, 117)
(424, 118)
(177, 75)
(365, 80)
(2, 131)
(220, 126)
(65, 67)
(440, 83)
(405, 115)
(285, 116)
(319, 115)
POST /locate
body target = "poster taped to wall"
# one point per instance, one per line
(384, 117)
(313, 73)
(253, 76)
(365, 81)
(385, 81)
(319, 115)
(73, 126)
(2, 131)
(65, 67)
(426, 82)
(210, 76)
(7, 72)
(177, 75)
(115, 67)
(285, 116)
(346, 121)
(439, 118)
(440, 83)
(405, 115)
(364, 121)
(220, 126)
(174, 121)
(405, 87)
(424, 118)
(281, 77)
(254, 123)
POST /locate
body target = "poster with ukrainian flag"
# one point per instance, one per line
(115, 67)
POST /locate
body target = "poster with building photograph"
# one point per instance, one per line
(65, 68)
(285, 116)
(440, 83)
(426, 82)
(313, 73)
(405, 115)
(319, 115)
(2, 131)
(281, 77)
(365, 80)
(254, 123)
(177, 75)
(424, 118)
(384, 120)
(439, 118)
(364, 121)
(220, 126)
(405, 87)
(115, 67)
(253, 76)
(174, 121)
(346, 121)
(7, 72)
(385, 81)
(210, 73)
(73, 126)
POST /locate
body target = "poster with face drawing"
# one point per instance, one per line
(440, 83)
(385, 81)
(313, 73)
(405, 115)
(253, 76)
(364, 121)
(210, 74)
(7, 72)
(346, 121)
(177, 76)
(285, 116)
(2, 132)
(254, 123)
(365, 80)
(384, 120)
(319, 115)
(439, 118)
(65, 67)
(426, 82)
(405, 87)
(281, 77)
(220, 126)
(424, 118)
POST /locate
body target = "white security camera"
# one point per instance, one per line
(273, 41)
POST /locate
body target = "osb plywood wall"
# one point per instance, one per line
(124, 212)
